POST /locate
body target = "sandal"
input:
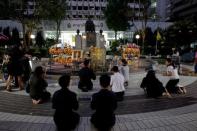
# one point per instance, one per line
(8, 89)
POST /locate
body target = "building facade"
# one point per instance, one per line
(78, 13)
(163, 10)
(183, 9)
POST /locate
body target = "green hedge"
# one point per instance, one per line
(39, 52)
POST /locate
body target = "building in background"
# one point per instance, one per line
(183, 9)
(163, 10)
(79, 11)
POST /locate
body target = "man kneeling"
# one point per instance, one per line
(104, 102)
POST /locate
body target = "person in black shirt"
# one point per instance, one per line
(85, 75)
(38, 86)
(153, 87)
(105, 103)
(64, 102)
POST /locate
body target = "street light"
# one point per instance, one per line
(137, 37)
(32, 36)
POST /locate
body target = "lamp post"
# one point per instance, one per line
(137, 37)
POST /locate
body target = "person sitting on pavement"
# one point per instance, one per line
(64, 102)
(38, 86)
(152, 86)
(105, 103)
(117, 83)
(172, 72)
(85, 75)
(124, 70)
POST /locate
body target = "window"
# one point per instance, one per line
(74, 7)
(79, 7)
(102, 8)
(97, 8)
(85, 7)
(31, 6)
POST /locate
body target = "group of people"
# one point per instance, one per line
(17, 72)
(103, 102)
(15, 68)
(65, 101)
(65, 104)
(119, 79)
(154, 88)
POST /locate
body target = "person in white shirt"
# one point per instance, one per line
(172, 72)
(117, 83)
(124, 70)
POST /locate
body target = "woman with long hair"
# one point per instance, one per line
(153, 87)
(38, 85)
(172, 72)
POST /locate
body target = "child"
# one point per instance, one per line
(124, 70)
(117, 83)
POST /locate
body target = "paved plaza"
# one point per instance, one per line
(135, 113)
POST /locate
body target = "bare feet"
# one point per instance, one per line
(36, 101)
(8, 89)
(167, 95)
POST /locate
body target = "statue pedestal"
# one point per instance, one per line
(100, 41)
(98, 56)
(91, 39)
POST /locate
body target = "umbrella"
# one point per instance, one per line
(3, 37)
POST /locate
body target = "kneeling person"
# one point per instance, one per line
(117, 83)
(104, 102)
(64, 102)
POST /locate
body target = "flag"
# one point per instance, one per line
(158, 37)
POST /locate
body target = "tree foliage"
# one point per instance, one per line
(40, 39)
(54, 10)
(143, 17)
(15, 39)
(116, 16)
(181, 33)
(19, 10)
(4, 5)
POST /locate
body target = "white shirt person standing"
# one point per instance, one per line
(117, 83)
(124, 70)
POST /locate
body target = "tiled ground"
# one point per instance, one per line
(135, 113)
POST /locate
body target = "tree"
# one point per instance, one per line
(182, 33)
(54, 10)
(20, 11)
(6, 32)
(143, 17)
(116, 15)
(39, 39)
(4, 9)
(15, 39)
